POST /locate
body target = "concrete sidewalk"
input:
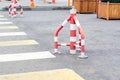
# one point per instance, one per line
(59, 5)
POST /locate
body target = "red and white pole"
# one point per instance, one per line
(9, 9)
(56, 44)
(81, 39)
(73, 39)
(13, 9)
(72, 31)
(72, 35)
(21, 10)
(53, 1)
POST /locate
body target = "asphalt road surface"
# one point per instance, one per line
(34, 34)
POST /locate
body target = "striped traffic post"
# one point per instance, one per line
(9, 9)
(21, 10)
(13, 8)
(81, 42)
(72, 19)
(72, 35)
(53, 1)
(56, 44)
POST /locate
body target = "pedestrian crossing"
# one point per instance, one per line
(5, 24)
(13, 58)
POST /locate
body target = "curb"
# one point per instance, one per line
(40, 8)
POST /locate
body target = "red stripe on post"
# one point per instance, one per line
(73, 33)
(55, 45)
(72, 46)
(57, 31)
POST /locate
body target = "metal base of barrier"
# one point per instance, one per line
(83, 56)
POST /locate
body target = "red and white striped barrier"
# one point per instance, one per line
(53, 1)
(74, 24)
(13, 8)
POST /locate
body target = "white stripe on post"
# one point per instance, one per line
(55, 39)
(65, 21)
(72, 27)
(72, 51)
(72, 39)
(79, 36)
(64, 44)
(82, 42)
(55, 50)
(77, 22)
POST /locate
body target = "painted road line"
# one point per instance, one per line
(59, 74)
(6, 23)
(1, 16)
(18, 43)
(26, 56)
(3, 19)
(12, 34)
(8, 27)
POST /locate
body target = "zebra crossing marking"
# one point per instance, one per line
(26, 56)
(58, 74)
(6, 23)
(18, 43)
(1, 16)
(3, 19)
(12, 34)
(8, 27)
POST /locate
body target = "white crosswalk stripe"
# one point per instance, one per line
(6, 23)
(3, 19)
(8, 27)
(12, 34)
(1, 16)
(18, 43)
(26, 56)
